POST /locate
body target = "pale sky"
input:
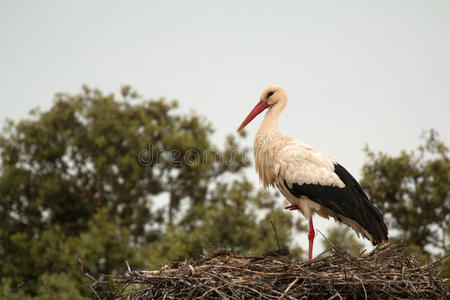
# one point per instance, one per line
(356, 72)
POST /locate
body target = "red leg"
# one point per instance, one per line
(292, 207)
(311, 235)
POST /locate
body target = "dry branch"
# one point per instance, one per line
(387, 272)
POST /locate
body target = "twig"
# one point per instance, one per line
(335, 295)
(288, 288)
(331, 244)
(94, 281)
(208, 291)
(276, 235)
(364, 288)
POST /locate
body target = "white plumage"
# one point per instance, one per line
(279, 156)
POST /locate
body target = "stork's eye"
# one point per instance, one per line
(270, 94)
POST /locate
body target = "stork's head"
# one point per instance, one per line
(270, 97)
(273, 94)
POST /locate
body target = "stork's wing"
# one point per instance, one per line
(313, 175)
(301, 164)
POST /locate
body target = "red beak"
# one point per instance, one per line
(262, 105)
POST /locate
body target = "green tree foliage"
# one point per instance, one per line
(82, 180)
(52, 259)
(234, 216)
(82, 154)
(413, 190)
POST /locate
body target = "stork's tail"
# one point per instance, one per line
(368, 216)
(374, 224)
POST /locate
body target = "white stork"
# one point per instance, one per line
(309, 179)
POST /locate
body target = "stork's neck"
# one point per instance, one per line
(270, 122)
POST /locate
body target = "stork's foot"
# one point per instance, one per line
(292, 207)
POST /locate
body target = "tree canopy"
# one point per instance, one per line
(109, 178)
(413, 190)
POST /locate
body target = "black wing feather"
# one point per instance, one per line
(350, 202)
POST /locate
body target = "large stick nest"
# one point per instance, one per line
(387, 272)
